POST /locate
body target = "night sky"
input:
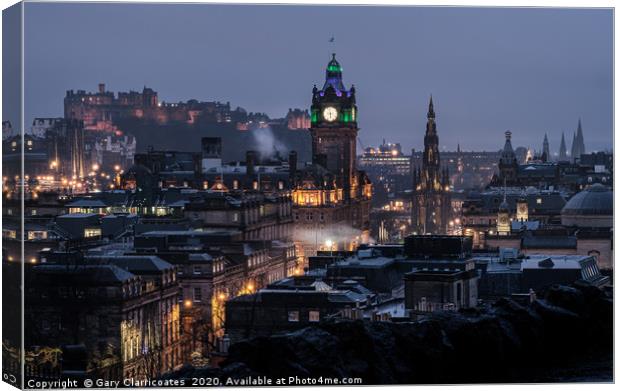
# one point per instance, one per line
(530, 71)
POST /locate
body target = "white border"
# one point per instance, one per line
(480, 3)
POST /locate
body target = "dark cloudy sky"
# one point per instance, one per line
(527, 70)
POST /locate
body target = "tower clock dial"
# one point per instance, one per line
(330, 114)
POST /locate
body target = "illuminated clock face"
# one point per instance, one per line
(330, 114)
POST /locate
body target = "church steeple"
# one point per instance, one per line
(545, 152)
(580, 141)
(562, 153)
(578, 148)
(431, 109)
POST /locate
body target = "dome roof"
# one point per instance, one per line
(594, 200)
(333, 76)
(334, 65)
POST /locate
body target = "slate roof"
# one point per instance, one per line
(549, 242)
(95, 275)
(136, 263)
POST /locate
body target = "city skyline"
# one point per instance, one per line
(209, 195)
(486, 75)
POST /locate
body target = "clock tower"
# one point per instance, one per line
(331, 197)
(503, 218)
(334, 128)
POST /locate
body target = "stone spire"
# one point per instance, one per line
(546, 156)
(430, 162)
(562, 153)
(580, 141)
(431, 109)
(578, 148)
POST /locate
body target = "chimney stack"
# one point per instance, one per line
(321, 159)
(212, 147)
(101, 88)
(292, 163)
(250, 161)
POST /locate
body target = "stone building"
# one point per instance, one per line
(297, 119)
(238, 266)
(481, 211)
(286, 306)
(256, 215)
(103, 109)
(122, 310)
(438, 290)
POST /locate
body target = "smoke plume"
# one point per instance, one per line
(267, 145)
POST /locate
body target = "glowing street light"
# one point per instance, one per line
(329, 243)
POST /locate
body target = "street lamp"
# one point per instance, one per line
(329, 243)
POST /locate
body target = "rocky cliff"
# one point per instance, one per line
(565, 336)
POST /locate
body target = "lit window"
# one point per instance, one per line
(293, 316)
(7, 233)
(92, 232)
(314, 316)
(37, 235)
(197, 269)
(539, 201)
